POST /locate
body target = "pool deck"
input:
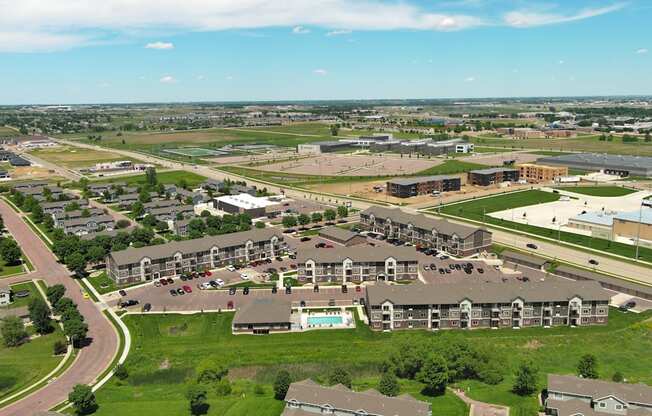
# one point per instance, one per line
(300, 319)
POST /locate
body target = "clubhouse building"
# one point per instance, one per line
(458, 240)
(177, 257)
(357, 264)
(486, 305)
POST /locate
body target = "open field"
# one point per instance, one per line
(6, 131)
(604, 191)
(74, 158)
(30, 173)
(167, 348)
(477, 209)
(168, 177)
(589, 143)
(354, 165)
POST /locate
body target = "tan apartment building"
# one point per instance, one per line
(178, 257)
(458, 240)
(534, 173)
(472, 305)
(357, 264)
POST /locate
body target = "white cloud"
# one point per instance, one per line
(339, 32)
(561, 62)
(168, 79)
(530, 18)
(160, 45)
(300, 30)
(641, 51)
(229, 77)
(104, 84)
(469, 79)
(200, 77)
(37, 41)
(320, 72)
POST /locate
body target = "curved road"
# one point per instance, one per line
(94, 358)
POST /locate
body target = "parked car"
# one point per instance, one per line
(304, 239)
(170, 280)
(220, 282)
(147, 307)
(480, 270)
(358, 289)
(157, 283)
(164, 282)
(531, 246)
(345, 289)
(244, 276)
(180, 291)
(279, 258)
(230, 268)
(288, 290)
(426, 267)
(274, 289)
(315, 288)
(173, 292)
(245, 291)
(441, 270)
(187, 289)
(230, 305)
(208, 273)
(231, 291)
(121, 292)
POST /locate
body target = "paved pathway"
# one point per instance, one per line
(477, 408)
(103, 340)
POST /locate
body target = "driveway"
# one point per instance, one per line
(103, 340)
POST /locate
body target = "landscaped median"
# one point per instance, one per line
(477, 210)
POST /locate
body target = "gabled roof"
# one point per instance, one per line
(420, 221)
(597, 389)
(338, 254)
(373, 403)
(337, 233)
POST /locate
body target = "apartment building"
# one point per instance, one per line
(125, 201)
(486, 305)
(407, 187)
(492, 176)
(86, 225)
(41, 193)
(177, 257)
(357, 264)
(57, 207)
(458, 240)
(60, 217)
(571, 396)
(534, 173)
(171, 213)
(306, 398)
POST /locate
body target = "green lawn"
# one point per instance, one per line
(10, 270)
(19, 302)
(473, 210)
(608, 191)
(170, 177)
(450, 167)
(166, 349)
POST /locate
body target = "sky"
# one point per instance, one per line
(115, 51)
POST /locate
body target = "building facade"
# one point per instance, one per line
(87, 225)
(407, 187)
(534, 173)
(486, 305)
(263, 316)
(492, 176)
(357, 264)
(458, 240)
(178, 257)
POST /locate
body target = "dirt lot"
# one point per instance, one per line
(353, 165)
(30, 173)
(499, 158)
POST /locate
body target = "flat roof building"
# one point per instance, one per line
(533, 173)
(492, 176)
(254, 206)
(621, 165)
(262, 316)
(423, 185)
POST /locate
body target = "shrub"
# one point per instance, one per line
(59, 348)
(223, 387)
(120, 371)
(281, 384)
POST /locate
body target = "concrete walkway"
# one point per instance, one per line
(477, 408)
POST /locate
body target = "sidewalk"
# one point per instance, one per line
(477, 408)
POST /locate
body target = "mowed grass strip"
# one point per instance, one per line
(476, 210)
(169, 177)
(605, 191)
(74, 158)
(167, 348)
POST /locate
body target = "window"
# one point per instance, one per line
(602, 404)
(619, 407)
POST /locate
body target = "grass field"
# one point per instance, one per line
(166, 349)
(605, 191)
(475, 210)
(31, 361)
(20, 302)
(170, 177)
(6, 131)
(450, 167)
(74, 158)
(10, 270)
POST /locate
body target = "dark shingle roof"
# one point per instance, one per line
(264, 311)
(597, 389)
(337, 254)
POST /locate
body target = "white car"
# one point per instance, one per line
(220, 282)
(205, 285)
(230, 268)
(244, 276)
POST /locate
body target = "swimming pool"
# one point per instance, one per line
(325, 320)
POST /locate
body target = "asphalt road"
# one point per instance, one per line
(609, 265)
(102, 338)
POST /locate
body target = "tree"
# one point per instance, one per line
(289, 221)
(150, 174)
(82, 399)
(138, 209)
(39, 314)
(13, 331)
(330, 215)
(37, 214)
(434, 374)
(197, 396)
(123, 223)
(340, 376)
(10, 251)
(76, 262)
(59, 347)
(303, 219)
(260, 224)
(316, 217)
(587, 367)
(618, 377)
(120, 371)
(48, 222)
(388, 384)
(526, 381)
(54, 293)
(95, 254)
(210, 372)
(281, 384)
(342, 211)
(75, 329)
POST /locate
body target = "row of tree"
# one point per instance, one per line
(290, 221)
(74, 326)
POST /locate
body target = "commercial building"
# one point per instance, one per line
(598, 224)
(633, 224)
(262, 316)
(357, 264)
(458, 240)
(307, 398)
(573, 396)
(323, 147)
(342, 236)
(177, 257)
(253, 206)
(424, 185)
(86, 225)
(492, 176)
(620, 165)
(534, 173)
(486, 305)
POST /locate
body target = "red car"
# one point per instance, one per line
(208, 273)
(187, 289)
(163, 282)
(358, 289)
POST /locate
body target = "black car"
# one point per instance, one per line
(288, 231)
(480, 270)
(304, 239)
(315, 289)
(173, 292)
(451, 266)
(184, 278)
(532, 246)
(180, 291)
(288, 290)
(231, 291)
(147, 307)
(345, 289)
(274, 289)
(122, 292)
(593, 262)
(441, 270)
(245, 291)
(279, 258)
(458, 267)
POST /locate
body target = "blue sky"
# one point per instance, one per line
(83, 51)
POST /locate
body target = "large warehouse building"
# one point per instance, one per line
(613, 164)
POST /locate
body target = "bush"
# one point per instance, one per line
(281, 384)
(223, 387)
(388, 384)
(210, 372)
(120, 371)
(59, 348)
(340, 376)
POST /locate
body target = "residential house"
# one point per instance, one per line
(57, 207)
(85, 225)
(5, 295)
